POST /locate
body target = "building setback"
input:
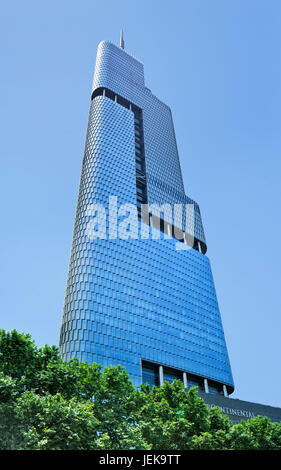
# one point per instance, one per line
(146, 303)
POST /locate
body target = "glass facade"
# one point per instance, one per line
(138, 302)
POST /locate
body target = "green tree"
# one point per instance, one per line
(10, 428)
(46, 403)
(170, 417)
(258, 433)
(51, 422)
(59, 404)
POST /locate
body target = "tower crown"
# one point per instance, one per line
(122, 44)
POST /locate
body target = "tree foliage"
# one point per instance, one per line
(46, 403)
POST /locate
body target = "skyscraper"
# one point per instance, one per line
(148, 301)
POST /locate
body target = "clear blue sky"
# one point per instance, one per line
(217, 64)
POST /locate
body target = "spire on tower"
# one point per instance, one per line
(122, 44)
